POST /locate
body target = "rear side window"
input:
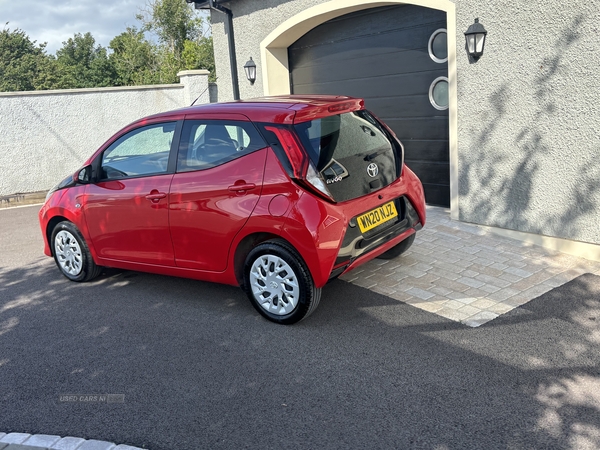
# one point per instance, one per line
(339, 137)
(209, 143)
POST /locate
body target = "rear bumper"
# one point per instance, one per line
(373, 254)
(357, 244)
(327, 236)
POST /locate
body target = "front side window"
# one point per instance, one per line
(143, 151)
(209, 143)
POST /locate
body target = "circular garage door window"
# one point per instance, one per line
(438, 46)
(438, 93)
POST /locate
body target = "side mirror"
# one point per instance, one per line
(84, 176)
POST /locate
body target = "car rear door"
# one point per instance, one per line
(217, 184)
(126, 209)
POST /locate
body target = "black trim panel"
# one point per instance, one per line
(356, 244)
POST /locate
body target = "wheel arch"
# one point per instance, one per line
(50, 228)
(246, 245)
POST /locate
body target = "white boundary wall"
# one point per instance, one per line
(46, 135)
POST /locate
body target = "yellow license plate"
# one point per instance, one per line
(377, 216)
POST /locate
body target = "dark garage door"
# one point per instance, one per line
(394, 59)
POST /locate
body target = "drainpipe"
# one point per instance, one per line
(213, 5)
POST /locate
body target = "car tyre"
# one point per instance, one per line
(398, 249)
(71, 253)
(279, 284)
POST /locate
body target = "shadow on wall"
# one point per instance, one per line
(49, 127)
(512, 199)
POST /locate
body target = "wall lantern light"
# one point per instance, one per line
(475, 37)
(250, 68)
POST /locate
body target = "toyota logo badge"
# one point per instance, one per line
(372, 170)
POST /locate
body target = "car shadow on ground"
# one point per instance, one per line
(199, 368)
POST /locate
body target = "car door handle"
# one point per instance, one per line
(242, 187)
(156, 196)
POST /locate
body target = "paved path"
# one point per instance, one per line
(25, 441)
(464, 273)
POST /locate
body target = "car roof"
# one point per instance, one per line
(277, 109)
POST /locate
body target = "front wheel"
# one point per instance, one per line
(279, 284)
(72, 254)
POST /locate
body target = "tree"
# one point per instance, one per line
(82, 64)
(24, 65)
(181, 34)
(134, 59)
(199, 54)
(173, 21)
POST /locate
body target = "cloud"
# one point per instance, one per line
(55, 22)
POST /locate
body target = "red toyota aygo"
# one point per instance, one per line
(278, 195)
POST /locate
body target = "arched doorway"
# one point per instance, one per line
(276, 67)
(396, 58)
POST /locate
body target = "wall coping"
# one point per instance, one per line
(184, 73)
(89, 90)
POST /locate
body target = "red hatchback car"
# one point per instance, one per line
(277, 195)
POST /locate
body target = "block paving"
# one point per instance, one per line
(25, 441)
(465, 273)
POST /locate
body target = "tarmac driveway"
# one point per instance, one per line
(196, 367)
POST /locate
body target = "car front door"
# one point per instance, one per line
(126, 209)
(220, 169)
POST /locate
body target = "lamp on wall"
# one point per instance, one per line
(250, 68)
(475, 36)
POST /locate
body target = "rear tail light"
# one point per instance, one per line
(315, 180)
(302, 168)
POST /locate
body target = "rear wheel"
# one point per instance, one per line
(279, 284)
(72, 254)
(398, 249)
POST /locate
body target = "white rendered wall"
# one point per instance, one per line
(46, 135)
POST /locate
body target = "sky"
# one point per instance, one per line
(55, 21)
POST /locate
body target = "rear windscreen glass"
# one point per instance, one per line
(342, 136)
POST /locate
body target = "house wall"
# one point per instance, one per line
(252, 22)
(528, 122)
(46, 135)
(528, 130)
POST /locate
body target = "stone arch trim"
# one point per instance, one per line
(276, 75)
